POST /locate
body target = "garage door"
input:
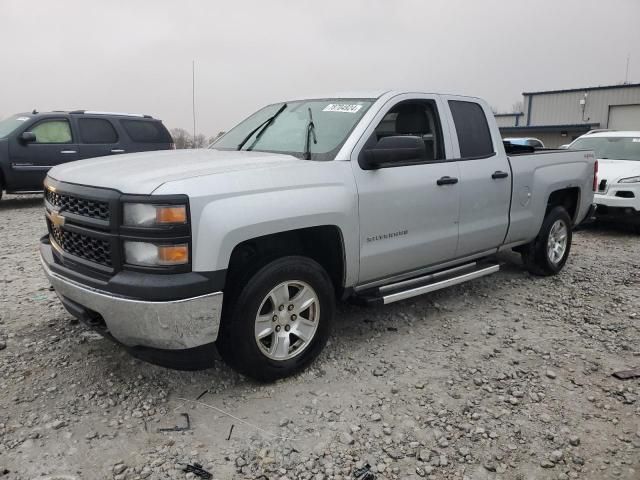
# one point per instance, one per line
(624, 117)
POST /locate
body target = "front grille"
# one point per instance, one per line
(83, 246)
(78, 206)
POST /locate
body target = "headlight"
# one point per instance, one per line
(152, 255)
(149, 215)
(630, 180)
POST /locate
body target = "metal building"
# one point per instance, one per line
(559, 116)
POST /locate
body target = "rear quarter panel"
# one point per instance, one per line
(536, 177)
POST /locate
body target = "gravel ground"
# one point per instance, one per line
(505, 377)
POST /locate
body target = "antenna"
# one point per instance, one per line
(626, 74)
(193, 99)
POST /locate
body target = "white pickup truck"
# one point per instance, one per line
(245, 246)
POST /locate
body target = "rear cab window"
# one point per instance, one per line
(474, 136)
(146, 131)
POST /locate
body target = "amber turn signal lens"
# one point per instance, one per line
(177, 214)
(173, 254)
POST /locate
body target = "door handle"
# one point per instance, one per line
(499, 174)
(68, 151)
(447, 181)
(117, 150)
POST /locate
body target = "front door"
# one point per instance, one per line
(30, 161)
(408, 211)
(485, 179)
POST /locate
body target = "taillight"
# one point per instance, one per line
(595, 176)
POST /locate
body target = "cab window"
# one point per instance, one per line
(97, 130)
(474, 136)
(52, 131)
(418, 119)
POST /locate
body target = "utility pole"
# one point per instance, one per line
(193, 99)
(626, 74)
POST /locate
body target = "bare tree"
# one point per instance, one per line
(184, 139)
(199, 141)
(518, 107)
(215, 137)
(181, 138)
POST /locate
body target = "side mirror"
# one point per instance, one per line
(392, 150)
(28, 137)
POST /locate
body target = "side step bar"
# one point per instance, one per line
(394, 292)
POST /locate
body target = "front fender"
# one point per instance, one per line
(227, 222)
(231, 208)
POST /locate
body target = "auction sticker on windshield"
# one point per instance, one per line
(342, 107)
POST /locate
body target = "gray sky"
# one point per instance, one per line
(136, 56)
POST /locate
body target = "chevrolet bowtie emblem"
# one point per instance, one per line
(56, 219)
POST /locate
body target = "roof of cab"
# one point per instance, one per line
(368, 94)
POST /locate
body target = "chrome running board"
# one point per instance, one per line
(394, 292)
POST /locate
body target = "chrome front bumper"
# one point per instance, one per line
(170, 325)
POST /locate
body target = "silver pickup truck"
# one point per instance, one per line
(244, 247)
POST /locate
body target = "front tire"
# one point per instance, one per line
(549, 251)
(280, 320)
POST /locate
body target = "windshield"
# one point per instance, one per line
(9, 125)
(333, 121)
(616, 148)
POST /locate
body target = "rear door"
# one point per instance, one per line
(98, 137)
(55, 143)
(485, 177)
(146, 134)
(408, 215)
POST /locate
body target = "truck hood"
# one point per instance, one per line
(144, 172)
(614, 170)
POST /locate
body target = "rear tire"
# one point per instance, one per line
(279, 321)
(548, 252)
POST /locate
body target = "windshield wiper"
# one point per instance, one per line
(264, 125)
(311, 130)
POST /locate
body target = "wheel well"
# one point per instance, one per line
(567, 198)
(323, 244)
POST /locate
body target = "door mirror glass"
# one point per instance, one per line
(28, 137)
(390, 151)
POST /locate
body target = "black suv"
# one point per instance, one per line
(32, 143)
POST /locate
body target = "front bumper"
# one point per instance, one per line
(613, 207)
(168, 325)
